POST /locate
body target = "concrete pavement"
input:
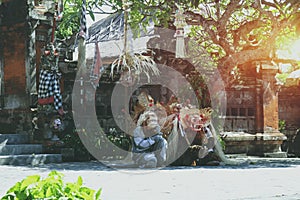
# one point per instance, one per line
(266, 179)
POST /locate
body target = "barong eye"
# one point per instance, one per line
(195, 119)
(197, 127)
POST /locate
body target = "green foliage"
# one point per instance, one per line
(282, 77)
(222, 142)
(71, 18)
(141, 13)
(51, 187)
(120, 140)
(72, 140)
(70, 22)
(231, 32)
(162, 14)
(282, 125)
(286, 38)
(101, 141)
(144, 12)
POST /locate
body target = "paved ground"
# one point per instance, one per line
(265, 179)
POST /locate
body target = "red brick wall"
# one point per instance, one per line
(289, 106)
(14, 51)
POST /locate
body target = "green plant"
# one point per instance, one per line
(121, 141)
(73, 140)
(222, 142)
(52, 187)
(281, 125)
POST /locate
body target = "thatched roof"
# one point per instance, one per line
(112, 28)
(106, 29)
(109, 33)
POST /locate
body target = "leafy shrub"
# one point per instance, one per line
(52, 187)
(72, 140)
(282, 125)
(222, 142)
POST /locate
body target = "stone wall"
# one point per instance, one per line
(15, 121)
(289, 113)
(17, 65)
(243, 102)
(25, 28)
(14, 59)
(240, 115)
(251, 124)
(15, 111)
(289, 107)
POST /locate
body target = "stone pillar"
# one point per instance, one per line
(259, 122)
(269, 98)
(268, 142)
(30, 65)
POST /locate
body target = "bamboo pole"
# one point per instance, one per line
(125, 7)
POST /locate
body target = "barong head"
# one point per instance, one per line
(194, 118)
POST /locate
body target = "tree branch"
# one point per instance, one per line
(258, 6)
(197, 19)
(222, 23)
(226, 64)
(231, 7)
(218, 13)
(244, 29)
(267, 3)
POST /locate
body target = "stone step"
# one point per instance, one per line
(16, 150)
(14, 138)
(276, 155)
(21, 149)
(33, 159)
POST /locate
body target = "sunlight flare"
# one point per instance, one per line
(290, 52)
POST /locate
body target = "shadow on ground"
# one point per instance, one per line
(114, 166)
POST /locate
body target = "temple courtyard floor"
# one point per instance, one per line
(259, 179)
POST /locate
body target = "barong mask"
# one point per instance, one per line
(195, 119)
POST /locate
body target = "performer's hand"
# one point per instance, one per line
(61, 112)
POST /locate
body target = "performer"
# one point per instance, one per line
(149, 147)
(50, 107)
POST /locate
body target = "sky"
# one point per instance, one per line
(98, 17)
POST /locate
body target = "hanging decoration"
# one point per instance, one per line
(132, 65)
(97, 69)
(81, 41)
(81, 65)
(83, 29)
(180, 23)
